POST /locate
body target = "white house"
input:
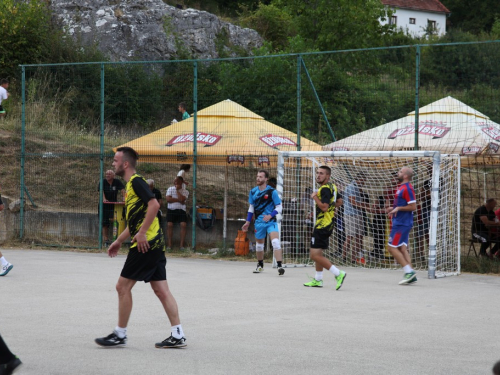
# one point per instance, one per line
(418, 16)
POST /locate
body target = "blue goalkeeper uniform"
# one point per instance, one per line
(264, 202)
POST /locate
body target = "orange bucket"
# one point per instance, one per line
(241, 244)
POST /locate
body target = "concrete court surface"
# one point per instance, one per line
(54, 303)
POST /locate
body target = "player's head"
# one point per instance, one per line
(109, 174)
(125, 158)
(405, 174)
(360, 178)
(4, 83)
(490, 203)
(323, 174)
(186, 167)
(151, 183)
(262, 177)
(178, 181)
(182, 107)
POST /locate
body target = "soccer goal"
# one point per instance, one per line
(360, 238)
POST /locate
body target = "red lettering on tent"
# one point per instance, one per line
(204, 138)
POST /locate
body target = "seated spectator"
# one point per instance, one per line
(483, 220)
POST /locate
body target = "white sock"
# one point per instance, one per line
(319, 276)
(121, 332)
(177, 331)
(4, 261)
(407, 269)
(334, 270)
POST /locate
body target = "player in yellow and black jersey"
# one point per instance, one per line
(146, 258)
(327, 193)
(327, 199)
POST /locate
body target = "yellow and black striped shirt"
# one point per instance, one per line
(327, 193)
(138, 195)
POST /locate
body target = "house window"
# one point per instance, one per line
(412, 21)
(393, 20)
(431, 24)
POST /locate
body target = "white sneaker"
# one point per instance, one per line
(6, 269)
(259, 269)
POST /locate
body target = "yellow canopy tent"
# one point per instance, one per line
(227, 134)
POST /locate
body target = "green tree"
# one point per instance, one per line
(340, 24)
(475, 16)
(24, 32)
(272, 23)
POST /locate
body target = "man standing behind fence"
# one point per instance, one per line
(146, 257)
(110, 188)
(182, 109)
(176, 210)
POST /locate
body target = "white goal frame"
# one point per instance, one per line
(436, 164)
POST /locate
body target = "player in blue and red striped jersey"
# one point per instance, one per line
(401, 214)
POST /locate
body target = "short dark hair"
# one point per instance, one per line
(3, 81)
(129, 154)
(186, 167)
(180, 179)
(182, 105)
(489, 200)
(266, 173)
(496, 368)
(327, 169)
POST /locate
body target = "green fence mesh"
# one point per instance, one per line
(75, 114)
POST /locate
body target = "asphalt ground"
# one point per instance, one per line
(54, 304)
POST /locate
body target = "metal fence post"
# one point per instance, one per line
(299, 100)
(23, 149)
(101, 159)
(195, 150)
(417, 101)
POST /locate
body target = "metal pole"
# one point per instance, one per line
(299, 101)
(224, 231)
(101, 159)
(23, 149)
(195, 150)
(319, 101)
(417, 98)
(434, 214)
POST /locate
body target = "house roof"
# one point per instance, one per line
(424, 5)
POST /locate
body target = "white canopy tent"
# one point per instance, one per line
(447, 125)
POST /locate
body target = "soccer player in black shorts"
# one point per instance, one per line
(146, 258)
(326, 199)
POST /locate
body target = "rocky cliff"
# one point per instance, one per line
(151, 30)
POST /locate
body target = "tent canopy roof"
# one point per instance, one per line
(227, 132)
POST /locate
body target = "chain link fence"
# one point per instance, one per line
(73, 115)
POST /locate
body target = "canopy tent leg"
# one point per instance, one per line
(224, 230)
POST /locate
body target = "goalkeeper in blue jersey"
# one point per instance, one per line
(265, 204)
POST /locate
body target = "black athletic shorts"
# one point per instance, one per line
(176, 216)
(1, 109)
(149, 266)
(320, 239)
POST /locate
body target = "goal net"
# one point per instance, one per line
(360, 236)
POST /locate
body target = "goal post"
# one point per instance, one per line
(360, 235)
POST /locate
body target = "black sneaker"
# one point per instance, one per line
(111, 340)
(171, 342)
(281, 271)
(9, 367)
